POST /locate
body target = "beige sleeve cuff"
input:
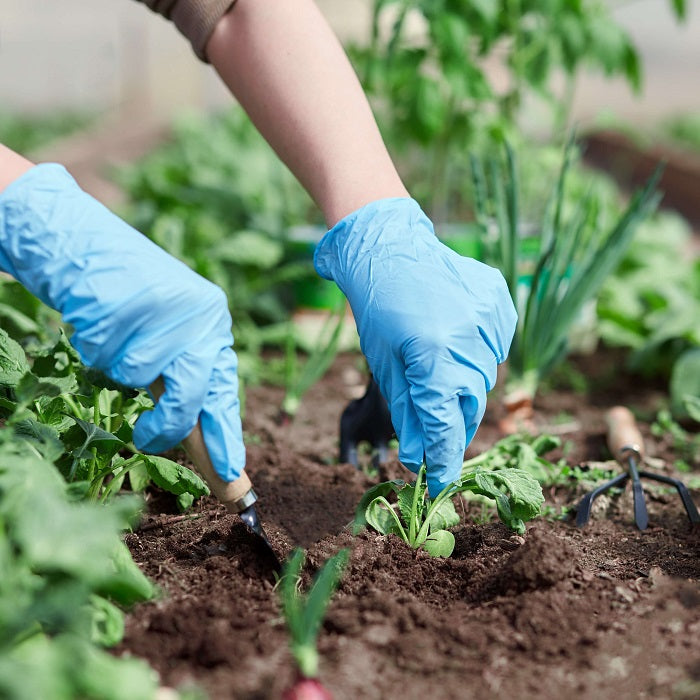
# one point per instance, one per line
(195, 19)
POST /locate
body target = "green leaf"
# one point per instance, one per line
(445, 516)
(439, 543)
(304, 613)
(30, 387)
(13, 362)
(518, 495)
(107, 622)
(692, 406)
(139, 477)
(184, 501)
(383, 518)
(252, 248)
(174, 477)
(382, 489)
(43, 438)
(405, 499)
(685, 381)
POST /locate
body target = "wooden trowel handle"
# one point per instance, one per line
(235, 495)
(623, 434)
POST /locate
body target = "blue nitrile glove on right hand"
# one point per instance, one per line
(433, 326)
(138, 313)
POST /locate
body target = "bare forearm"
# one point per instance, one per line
(285, 66)
(12, 166)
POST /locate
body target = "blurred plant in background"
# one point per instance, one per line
(552, 271)
(451, 75)
(216, 197)
(25, 132)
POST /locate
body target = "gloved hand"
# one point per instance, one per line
(433, 326)
(138, 313)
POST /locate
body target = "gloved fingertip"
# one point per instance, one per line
(438, 478)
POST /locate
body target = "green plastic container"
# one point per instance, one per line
(313, 292)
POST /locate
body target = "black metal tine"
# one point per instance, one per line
(583, 510)
(683, 492)
(641, 517)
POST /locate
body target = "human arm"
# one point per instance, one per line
(137, 313)
(432, 325)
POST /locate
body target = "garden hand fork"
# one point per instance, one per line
(627, 446)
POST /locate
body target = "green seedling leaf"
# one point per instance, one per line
(43, 438)
(107, 622)
(174, 477)
(445, 516)
(692, 406)
(125, 583)
(184, 501)
(518, 495)
(439, 543)
(139, 477)
(93, 433)
(304, 613)
(13, 361)
(383, 518)
(383, 489)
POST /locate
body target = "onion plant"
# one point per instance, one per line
(573, 253)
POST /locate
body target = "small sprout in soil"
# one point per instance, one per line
(304, 613)
(423, 523)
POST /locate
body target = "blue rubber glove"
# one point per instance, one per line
(433, 326)
(138, 313)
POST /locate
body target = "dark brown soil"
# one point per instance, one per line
(605, 611)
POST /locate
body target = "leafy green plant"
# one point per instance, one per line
(652, 302)
(550, 275)
(26, 132)
(429, 63)
(75, 417)
(317, 362)
(520, 451)
(66, 576)
(418, 522)
(685, 443)
(304, 613)
(423, 523)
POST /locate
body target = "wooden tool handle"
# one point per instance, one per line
(623, 434)
(235, 495)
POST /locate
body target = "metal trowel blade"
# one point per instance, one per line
(249, 516)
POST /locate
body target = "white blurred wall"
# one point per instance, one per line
(106, 54)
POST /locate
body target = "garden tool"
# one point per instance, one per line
(366, 420)
(627, 446)
(238, 496)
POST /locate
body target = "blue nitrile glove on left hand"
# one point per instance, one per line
(138, 313)
(433, 326)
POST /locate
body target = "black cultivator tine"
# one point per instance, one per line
(683, 492)
(583, 510)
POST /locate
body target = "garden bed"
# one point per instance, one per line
(600, 612)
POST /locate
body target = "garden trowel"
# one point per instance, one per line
(238, 496)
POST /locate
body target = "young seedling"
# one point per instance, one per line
(299, 381)
(419, 521)
(422, 522)
(304, 613)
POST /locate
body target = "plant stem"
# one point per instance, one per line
(417, 492)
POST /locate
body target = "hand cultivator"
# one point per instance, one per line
(626, 444)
